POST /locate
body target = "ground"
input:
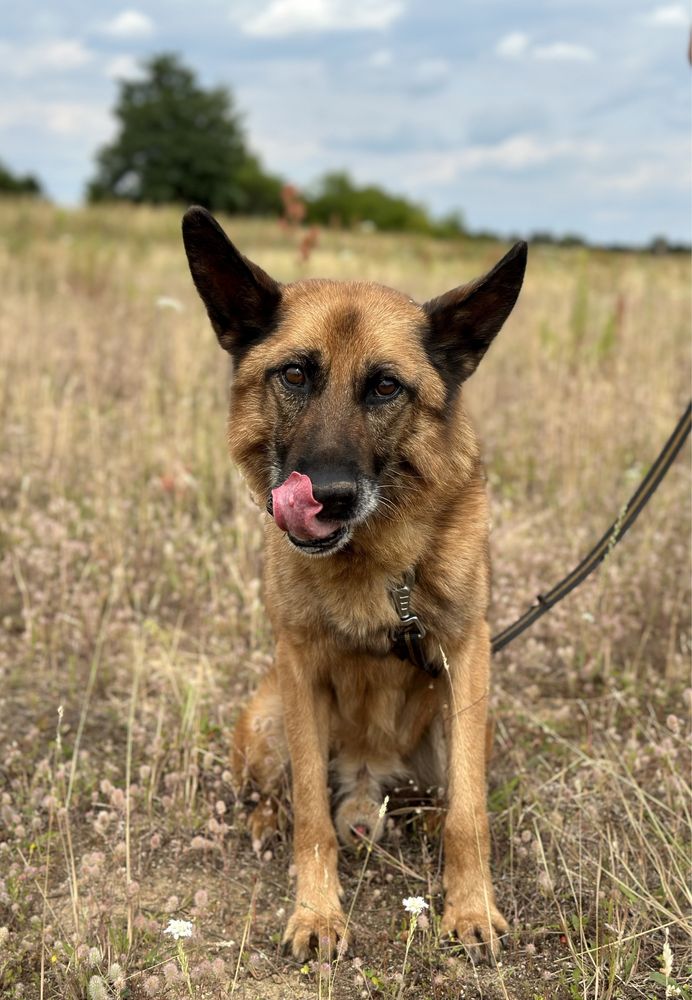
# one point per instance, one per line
(132, 629)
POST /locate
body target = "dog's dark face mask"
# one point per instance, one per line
(341, 389)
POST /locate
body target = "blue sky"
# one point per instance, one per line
(566, 115)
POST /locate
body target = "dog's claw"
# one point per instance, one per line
(309, 930)
(479, 932)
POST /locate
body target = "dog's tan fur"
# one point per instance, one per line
(335, 695)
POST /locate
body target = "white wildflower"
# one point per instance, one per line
(415, 905)
(166, 302)
(179, 929)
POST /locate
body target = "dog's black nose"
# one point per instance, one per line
(338, 498)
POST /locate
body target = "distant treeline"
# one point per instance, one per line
(656, 245)
(179, 143)
(11, 183)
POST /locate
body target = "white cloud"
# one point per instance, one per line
(631, 181)
(674, 15)
(75, 118)
(381, 59)
(58, 56)
(563, 52)
(59, 118)
(123, 68)
(129, 24)
(512, 45)
(431, 71)
(518, 152)
(290, 17)
(518, 44)
(670, 170)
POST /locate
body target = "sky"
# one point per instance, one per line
(572, 116)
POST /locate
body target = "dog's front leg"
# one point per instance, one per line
(470, 911)
(318, 918)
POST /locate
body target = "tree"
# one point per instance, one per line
(181, 143)
(14, 184)
(338, 200)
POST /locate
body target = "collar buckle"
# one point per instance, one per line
(401, 598)
(407, 638)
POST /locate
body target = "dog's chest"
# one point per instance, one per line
(359, 613)
(353, 611)
(349, 605)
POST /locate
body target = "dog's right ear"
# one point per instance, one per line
(241, 300)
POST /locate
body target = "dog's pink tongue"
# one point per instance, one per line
(296, 510)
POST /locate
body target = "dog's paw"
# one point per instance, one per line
(478, 928)
(263, 822)
(358, 820)
(309, 930)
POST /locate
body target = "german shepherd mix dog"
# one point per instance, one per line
(347, 421)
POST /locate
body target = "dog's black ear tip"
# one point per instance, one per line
(519, 251)
(513, 264)
(203, 234)
(197, 211)
(196, 217)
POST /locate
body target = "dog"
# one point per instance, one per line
(348, 424)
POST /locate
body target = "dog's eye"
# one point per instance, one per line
(385, 388)
(293, 376)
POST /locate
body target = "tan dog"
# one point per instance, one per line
(348, 424)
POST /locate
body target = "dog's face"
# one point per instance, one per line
(348, 384)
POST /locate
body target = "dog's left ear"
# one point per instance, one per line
(464, 322)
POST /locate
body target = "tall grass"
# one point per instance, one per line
(130, 573)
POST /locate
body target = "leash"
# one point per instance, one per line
(407, 639)
(628, 515)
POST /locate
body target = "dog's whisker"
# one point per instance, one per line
(403, 484)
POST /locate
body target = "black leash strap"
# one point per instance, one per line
(628, 515)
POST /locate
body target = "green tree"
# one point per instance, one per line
(337, 200)
(14, 184)
(258, 191)
(178, 142)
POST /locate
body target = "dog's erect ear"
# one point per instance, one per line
(464, 322)
(241, 300)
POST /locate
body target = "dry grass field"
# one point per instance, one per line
(132, 628)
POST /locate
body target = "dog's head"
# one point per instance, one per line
(341, 390)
